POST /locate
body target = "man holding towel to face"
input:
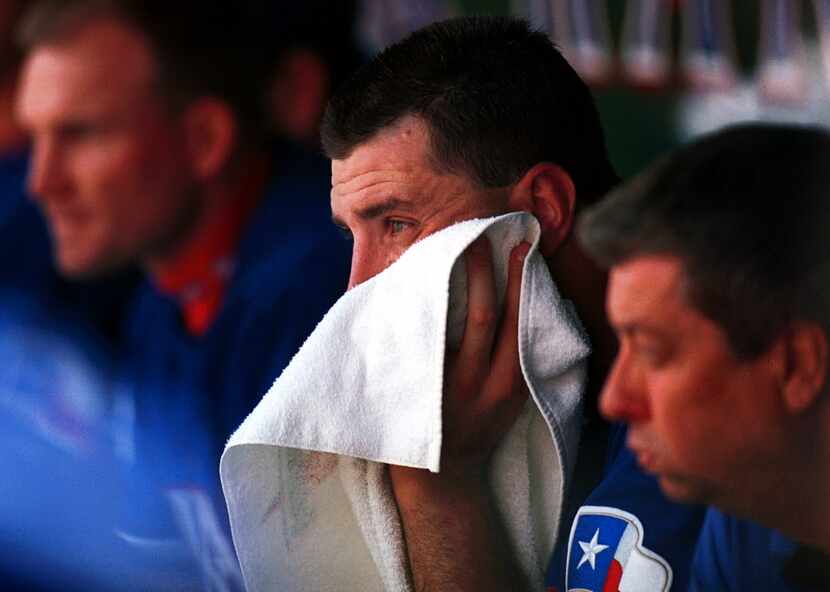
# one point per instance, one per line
(472, 118)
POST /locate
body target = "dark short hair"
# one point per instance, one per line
(497, 98)
(747, 211)
(202, 47)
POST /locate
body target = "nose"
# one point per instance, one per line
(46, 169)
(624, 396)
(367, 262)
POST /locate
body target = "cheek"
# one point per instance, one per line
(382, 248)
(712, 423)
(104, 172)
(689, 417)
(371, 254)
(127, 179)
(384, 255)
(393, 253)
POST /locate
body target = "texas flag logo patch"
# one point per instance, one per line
(606, 554)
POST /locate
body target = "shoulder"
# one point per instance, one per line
(736, 554)
(645, 540)
(291, 245)
(293, 265)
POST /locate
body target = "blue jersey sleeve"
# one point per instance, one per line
(626, 534)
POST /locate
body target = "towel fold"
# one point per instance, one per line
(304, 476)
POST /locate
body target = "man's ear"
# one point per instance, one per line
(806, 370)
(298, 94)
(211, 130)
(547, 191)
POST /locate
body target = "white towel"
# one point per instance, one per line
(310, 503)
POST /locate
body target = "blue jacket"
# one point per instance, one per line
(54, 402)
(183, 396)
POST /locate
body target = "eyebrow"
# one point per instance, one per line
(377, 209)
(637, 328)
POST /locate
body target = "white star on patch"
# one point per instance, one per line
(591, 550)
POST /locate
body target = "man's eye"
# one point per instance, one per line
(77, 131)
(397, 226)
(654, 355)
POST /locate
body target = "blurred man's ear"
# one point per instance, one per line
(298, 95)
(212, 130)
(548, 192)
(805, 376)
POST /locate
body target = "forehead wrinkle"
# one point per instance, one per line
(363, 182)
(398, 148)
